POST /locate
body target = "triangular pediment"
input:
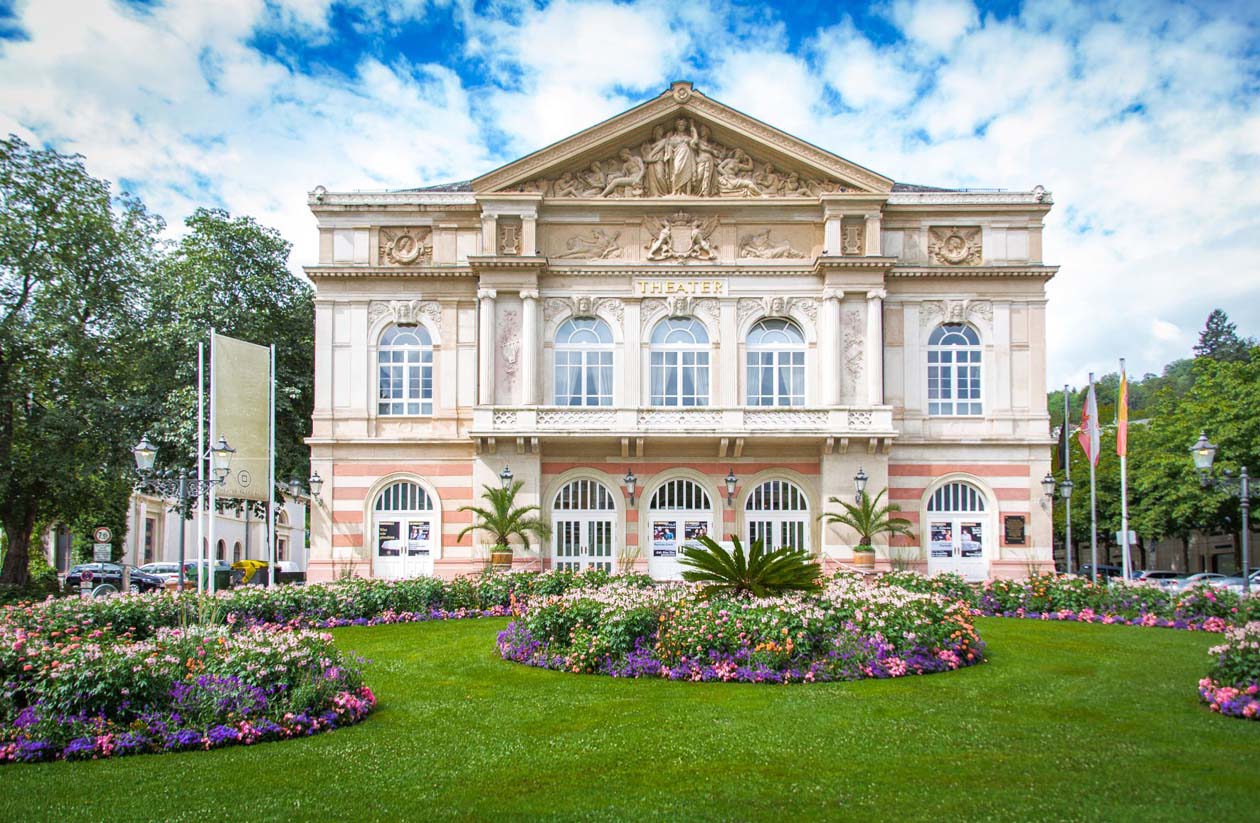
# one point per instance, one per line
(681, 144)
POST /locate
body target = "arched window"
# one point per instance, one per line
(236, 551)
(680, 495)
(956, 498)
(584, 363)
(680, 363)
(954, 370)
(404, 360)
(405, 521)
(958, 531)
(777, 512)
(221, 550)
(583, 526)
(776, 364)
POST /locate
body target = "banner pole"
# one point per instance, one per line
(213, 549)
(271, 471)
(1067, 476)
(1093, 485)
(201, 462)
(1124, 481)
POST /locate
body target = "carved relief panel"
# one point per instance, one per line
(954, 245)
(405, 246)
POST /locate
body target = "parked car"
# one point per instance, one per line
(167, 571)
(1235, 583)
(1200, 579)
(1162, 579)
(111, 574)
(1105, 573)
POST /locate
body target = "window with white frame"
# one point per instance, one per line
(777, 514)
(584, 363)
(954, 371)
(404, 360)
(776, 364)
(679, 357)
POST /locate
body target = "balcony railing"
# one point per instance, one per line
(579, 420)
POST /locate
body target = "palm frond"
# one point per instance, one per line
(758, 572)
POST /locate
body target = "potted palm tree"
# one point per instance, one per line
(502, 519)
(869, 519)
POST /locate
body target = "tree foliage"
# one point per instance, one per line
(503, 519)
(868, 518)
(1219, 339)
(760, 573)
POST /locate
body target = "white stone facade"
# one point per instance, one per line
(811, 319)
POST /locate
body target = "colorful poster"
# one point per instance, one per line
(418, 539)
(942, 539)
(972, 541)
(387, 542)
(664, 538)
(695, 529)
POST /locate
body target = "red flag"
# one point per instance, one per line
(1089, 433)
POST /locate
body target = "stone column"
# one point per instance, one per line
(875, 347)
(829, 337)
(872, 235)
(485, 346)
(529, 347)
(489, 235)
(529, 235)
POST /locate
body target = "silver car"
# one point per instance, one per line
(167, 571)
(1200, 579)
(1235, 584)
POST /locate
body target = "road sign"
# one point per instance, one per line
(102, 534)
(1132, 538)
(102, 552)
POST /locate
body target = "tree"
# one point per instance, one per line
(869, 519)
(72, 264)
(503, 519)
(231, 274)
(1219, 339)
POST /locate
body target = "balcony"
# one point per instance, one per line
(530, 424)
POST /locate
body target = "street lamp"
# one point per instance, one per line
(1048, 484)
(631, 481)
(316, 485)
(1203, 452)
(295, 487)
(1065, 491)
(505, 476)
(184, 486)
(731, 482)
(859, 483)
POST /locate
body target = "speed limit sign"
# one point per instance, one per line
(102, 534)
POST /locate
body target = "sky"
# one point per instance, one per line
(1142, 118)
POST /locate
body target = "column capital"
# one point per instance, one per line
(832, 293)
(486, 294)
(876, 294)
(529, 294)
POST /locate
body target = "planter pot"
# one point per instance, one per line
(864, 560)
(501, 560)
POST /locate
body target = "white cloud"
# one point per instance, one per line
(934, 24)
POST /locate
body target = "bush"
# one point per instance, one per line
(1232, 686)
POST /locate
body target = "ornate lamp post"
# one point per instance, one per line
(630, 482)
(731, 482)
(1065, 491)
(859, 483)
(505, 476)
(1203, 452)
(181, 485)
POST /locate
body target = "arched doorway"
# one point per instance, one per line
(583, 526)
(958, 531)
(405, 528)
(777, 513)
(678, 513)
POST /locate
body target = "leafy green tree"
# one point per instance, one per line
(1219, 339)
(760, 573)
(73, 261)
(503, 519)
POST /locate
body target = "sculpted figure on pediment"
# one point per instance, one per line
(680, 160)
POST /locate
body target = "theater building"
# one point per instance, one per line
(737, 319)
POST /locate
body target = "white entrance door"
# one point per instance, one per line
(679, 512)
(958, 532)
(405, 532)
(583, 527)
(777, 513)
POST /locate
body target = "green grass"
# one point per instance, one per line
(1066, 721)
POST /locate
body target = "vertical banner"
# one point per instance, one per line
(240, 387)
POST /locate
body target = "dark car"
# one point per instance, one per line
(1104, 572)
(110, 574)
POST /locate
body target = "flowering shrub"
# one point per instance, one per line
(352, 602)
(1232, 686)
(851, 630)
(86, 693)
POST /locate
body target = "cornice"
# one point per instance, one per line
(320, 200)
(1044, 272)
(972, 198)
(387, 271)
(478, 262)
(871, 264)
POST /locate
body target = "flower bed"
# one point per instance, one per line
(86, 693)
(852, 630)
(1232, 686)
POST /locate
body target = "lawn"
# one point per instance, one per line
(1066, 721)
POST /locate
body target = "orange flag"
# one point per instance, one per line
(1122, 416)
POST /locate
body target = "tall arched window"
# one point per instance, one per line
(583, 526)
(680, 363)
(584, 363)
(776, 364)
(958, 531)
(236, 551)
(777, 513)
(404, 360)
(406, 531)
(954, 370)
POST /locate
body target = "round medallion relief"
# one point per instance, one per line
(954, 248)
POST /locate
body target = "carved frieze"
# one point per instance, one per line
(955, 311)
(760, 245)
(854, 344)
(954, 245)
(582, 306)
(406, 246)
(681, 159)
(509, 237)
(853, 239)
(706, 309)
(776, 307)
(509, 346)
(679, 236)
(406, 312)
(597, 244)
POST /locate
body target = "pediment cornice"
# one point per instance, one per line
(730, 127)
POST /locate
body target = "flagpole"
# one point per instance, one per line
(1067, 477)
(271, 472)
(1094, 513)
(212, 561)
(201, 462)
(1124, 482)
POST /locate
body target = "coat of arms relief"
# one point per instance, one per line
(681, 160)
(680, 236)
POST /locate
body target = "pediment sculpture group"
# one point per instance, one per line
(682, 161)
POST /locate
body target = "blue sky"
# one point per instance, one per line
(1142, 117)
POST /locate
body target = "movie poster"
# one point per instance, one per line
(695, 529)
(664, 538)
(387, 540)
(418, 539)
(942, 539)
(972, 539)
